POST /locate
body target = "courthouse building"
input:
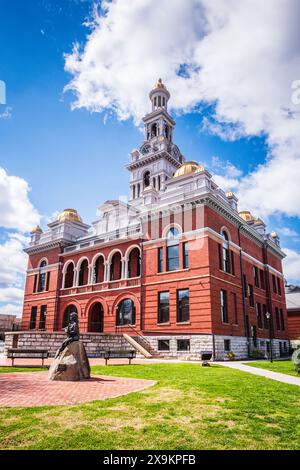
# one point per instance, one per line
(176, 267)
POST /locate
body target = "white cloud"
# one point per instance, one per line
(241, 56)
(13, 260)
(7, 113)
(291, 265)
(288, 232)
(16, 210)
(11, 294)
(11, 309)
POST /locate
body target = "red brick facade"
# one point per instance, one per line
(204, 277)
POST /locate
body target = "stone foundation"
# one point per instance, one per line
(96, 342)
(202, 343)
(93, 342)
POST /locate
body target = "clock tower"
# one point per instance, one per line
(158, 157)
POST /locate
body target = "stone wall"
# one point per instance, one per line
(94, 342)
(199, 343)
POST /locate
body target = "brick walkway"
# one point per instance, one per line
(34, 389)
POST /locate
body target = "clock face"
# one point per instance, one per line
(145, 149)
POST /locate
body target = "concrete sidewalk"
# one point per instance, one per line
(241, 365)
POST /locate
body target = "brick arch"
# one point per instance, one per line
(93, 301)
(123, 296)
(64, 308)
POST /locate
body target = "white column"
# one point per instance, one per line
(63, 280)
(123, 268)
(76, 277)
(106, 272)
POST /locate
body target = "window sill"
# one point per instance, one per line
(224, 272)
(183, 323)
(173, 271)
(164, 323)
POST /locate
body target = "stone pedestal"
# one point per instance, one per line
(72, 364)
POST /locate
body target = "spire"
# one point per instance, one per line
(159, 95)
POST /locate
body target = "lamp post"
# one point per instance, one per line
(268, 315)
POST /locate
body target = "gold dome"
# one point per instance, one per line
(229, 194)
(187, 168)
(274, 234)
(159, 84)
(37, 229)
(69, 215)
(247, 216)
(258, 221)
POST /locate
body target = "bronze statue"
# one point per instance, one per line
(72, 331)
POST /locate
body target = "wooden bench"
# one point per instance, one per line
(13, 353)
(118, 354)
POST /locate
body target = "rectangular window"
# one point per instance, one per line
(48, 281)
(227, 345)
(256, 279)
(220, 256)
(160, 260)
(281, 319)
(172, 257)
(262, 279)
(43, 313)
(232, 263)
(183, 305)
(224, 309)
(274, 284)
(33, 316)
(35, 283)
(235, 309)
(278, 286)
(42, 282)
(266, 321)
(163, 345)
(251, 295)
(258, 313)
(226, 259)
(183, 345)
(277, 318)
(245, 285)
(163, 307)
(185, 255)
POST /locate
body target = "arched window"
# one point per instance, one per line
(158, 182)
(146, 178)
(69, 276)
(116, 267)
(173, 233)
(42, 277)
(138, 190)
(134, 263)
(96, 318)
(133, 192)
(98, 274)
(125, 313)
(226, 253)
(83, 277)
(70, 309)
(154, 130)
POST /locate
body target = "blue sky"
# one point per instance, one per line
(75, 158)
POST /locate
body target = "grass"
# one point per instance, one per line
(284, 367)
(190, 407)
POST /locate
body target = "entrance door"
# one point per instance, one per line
(96, 318)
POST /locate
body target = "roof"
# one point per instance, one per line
(293, 301)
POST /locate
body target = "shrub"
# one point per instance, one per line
(231, 356)
(257, 354)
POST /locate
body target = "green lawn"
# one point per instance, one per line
(191, 407)
(285, 367)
